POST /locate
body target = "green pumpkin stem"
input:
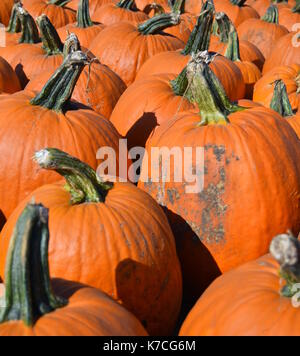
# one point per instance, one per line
(127, 5)
(30, 33)
(178, 7)
(50, 38)
(83, 14)
(200, 37)
(83, 183)
(14, 25)
(157, 8)
(233, 48)
(28, 292)
(222, 26)
(57, 92)
(71, 44)
(59, 2)
(296, 8)
(285, 248)
(280, 101)
(272, 15)
(158, 23)
(239, 3)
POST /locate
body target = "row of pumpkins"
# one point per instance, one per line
(149, 259)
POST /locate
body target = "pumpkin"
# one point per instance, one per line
(124, 47)
(175, 61)
(47, 119)
(261, 6)
(263, 90)
(5, 11)
(285, 52)
(263, 32)
(236, 10)
(124, 10)
(55, 10)
(250, 300)
(120, 233)
(85, 29)
(220, 39)
(213, 233)
(37, 306)
(94, 4)
(9, 82)
(290, 17)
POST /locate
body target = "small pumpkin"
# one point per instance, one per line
(85, 29)
(251, 300)
(34, 305)
(263, 32)
(120, 233)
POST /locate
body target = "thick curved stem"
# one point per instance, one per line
(83, 183)
(30, 33)
(71, 45)
(14, 25)
(59, 2)
(127, 5)
(200, 37)
(178, 7)
(222, 26)
(50, 38)
(280, 101)
(272, 15)
(285, 249)
(83, 14)
(239, 3)
(233, 48)
(57, 92)
(28, 292)
(159, 23)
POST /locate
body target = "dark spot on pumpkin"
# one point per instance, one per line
(173, 195)
(218, 152)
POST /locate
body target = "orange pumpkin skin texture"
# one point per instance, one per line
(214, 217)
(184, 28)
(261, 6)
(9, 82)
(263, 90)
(237, 14)
(58, 15)
(284, 53)
(130, 255)
(5, 11)
(262, 34)
(288, 19)
(100, 89)
(124, 49)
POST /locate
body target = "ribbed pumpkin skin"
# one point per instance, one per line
(9, 82)
(264, 88)
(251, 74)
(85, 35)
(124, 49)
(173, 62)
(25, 129)
(58, 15)
(236, 14)
(294, 121)
(283, 53)
(252, 163)
(100, 89)
(5, 11)
(126, 244)
(89, 313)
(184, 28)
(262, 34)
(244, 302)
(110, 14)
(288, 19)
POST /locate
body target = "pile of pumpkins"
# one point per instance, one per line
(81, 254)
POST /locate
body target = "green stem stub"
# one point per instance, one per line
(127, 5)
(14, 25)
(272, 15)
(83, 183)
(50, 38)
(71, 44)
(233, 48)
(221, 27)
(28, 292)
(59, 2)
(200, 37)
(30, 33)
(57, 92)
(83, 14)
(239, 3)
(158, 23)
(285, 248)
(280, 101)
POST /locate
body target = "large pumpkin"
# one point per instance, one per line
(37, 306)
(58, 14)
(220, 213)
(263, 32)
(120, 233)
(124, 47)
(85, 29)
(251, 300)
(28, 122)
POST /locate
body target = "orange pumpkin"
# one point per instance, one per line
(263, 90)
(55, 10)
(38, 306)
(290, 17)
(124, 47)
(124, 10)
(85, 29)
(250, 300)
(213, 233)
(263, 32)
(261, 6)
(47, 119)
(120, 233)
(5, 11)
